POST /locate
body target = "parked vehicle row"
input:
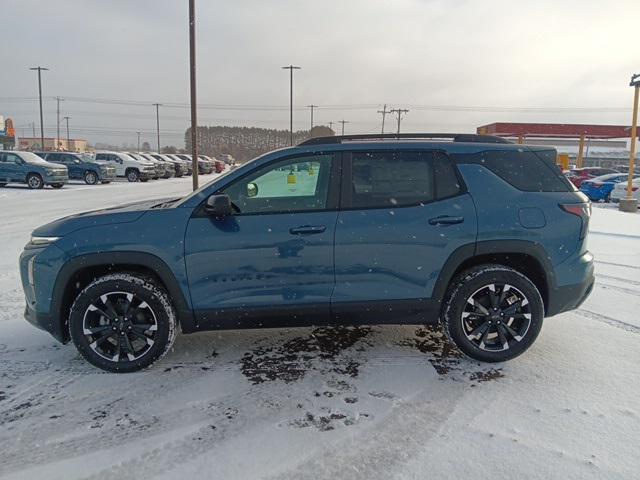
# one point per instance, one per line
(40, 169)
(141, 167)
(601, 188)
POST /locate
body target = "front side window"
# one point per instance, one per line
(294, 185)
(10, 158)
(391, 179)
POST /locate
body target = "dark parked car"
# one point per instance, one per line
(487, 236)
(579, 175)
(82, 167)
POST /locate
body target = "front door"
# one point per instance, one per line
(403, 214)
(271, 262)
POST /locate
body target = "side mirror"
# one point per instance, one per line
(218, 206)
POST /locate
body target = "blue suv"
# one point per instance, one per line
(486, 236)
(82, 167)
(27, 167)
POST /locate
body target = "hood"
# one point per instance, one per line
(129, 212)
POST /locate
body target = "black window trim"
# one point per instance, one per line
(333, 195)
(347, 170)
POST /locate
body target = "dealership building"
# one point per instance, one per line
(52, 143)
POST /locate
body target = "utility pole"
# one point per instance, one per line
(192, 77)
(384, 112)
(157, 105)
(331, 126)
(68, 138)
(399, 111)
(33, 126)
(291, 68)
(139, 142)
(343, 122)
(58, 122)
(40, 69)
(311, 107)
(630, 204)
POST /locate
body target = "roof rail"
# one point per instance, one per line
(455, 137)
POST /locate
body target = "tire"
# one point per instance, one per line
(3, 185)
(57, 186)
(112, 337)
(34, 181)
(491, 338)
(90, 178)
(132, 175)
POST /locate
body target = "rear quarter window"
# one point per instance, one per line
(524, 170)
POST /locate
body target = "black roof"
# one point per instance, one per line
(454, 137)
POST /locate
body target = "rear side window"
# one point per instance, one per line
(524, 170)
(400, 178)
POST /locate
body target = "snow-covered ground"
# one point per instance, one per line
(328, 403)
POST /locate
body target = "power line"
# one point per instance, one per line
(399, 111)
(312, 107)
(343, 122)
(384, 112)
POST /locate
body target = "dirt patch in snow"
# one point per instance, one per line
(291, 360)
(446, 359)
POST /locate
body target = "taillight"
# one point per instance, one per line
(633, 189)
(582, 210)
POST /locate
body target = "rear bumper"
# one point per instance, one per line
(570, 296)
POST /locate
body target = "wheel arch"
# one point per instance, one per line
(78, 272)
(526, 257)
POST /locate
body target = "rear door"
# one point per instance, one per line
(403, 213)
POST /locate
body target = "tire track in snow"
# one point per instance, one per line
(614, 322)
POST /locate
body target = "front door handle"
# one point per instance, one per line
(445, 220)
(307, 230)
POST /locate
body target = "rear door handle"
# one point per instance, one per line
(307, 230)
(445, 220)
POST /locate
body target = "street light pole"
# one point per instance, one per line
(194, 118)
(157, 105)
(68, 138)
(291, 68)
(58, 122)
(630, 204)
(40, 69)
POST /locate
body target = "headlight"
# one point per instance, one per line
(41, 242)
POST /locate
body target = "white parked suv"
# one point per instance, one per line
(126, 166)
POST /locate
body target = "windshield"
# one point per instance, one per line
(32, 158)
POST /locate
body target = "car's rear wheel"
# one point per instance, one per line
(122, 322)
(90, 178)
(34, 181)
(492, 313)
(133, 175)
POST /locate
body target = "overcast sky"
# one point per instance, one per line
(495, 57)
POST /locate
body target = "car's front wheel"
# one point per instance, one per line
(90, 178)
(34, 181)
(122, 322)
(133, 175)
(492, 313)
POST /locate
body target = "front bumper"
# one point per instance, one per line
(55, 179)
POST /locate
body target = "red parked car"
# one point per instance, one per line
(579, 175)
